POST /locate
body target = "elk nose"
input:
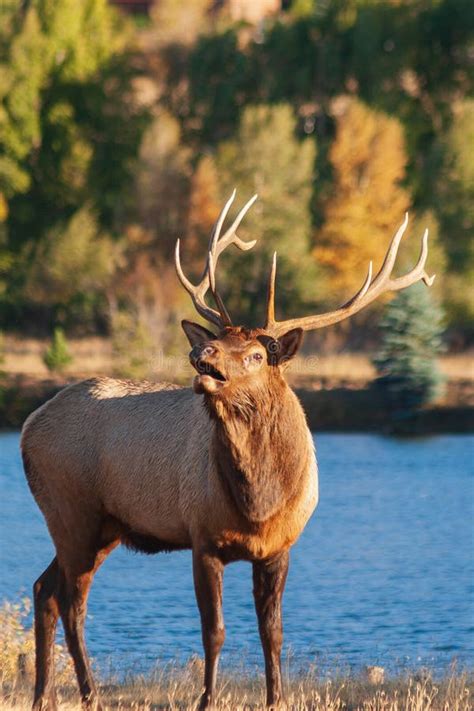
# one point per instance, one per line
(197, 352)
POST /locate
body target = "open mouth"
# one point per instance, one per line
(208, 369)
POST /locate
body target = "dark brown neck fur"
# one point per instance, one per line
(261, 446)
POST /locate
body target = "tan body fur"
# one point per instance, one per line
(143, 457)
(227, 469)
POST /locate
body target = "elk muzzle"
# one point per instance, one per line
(208, 363)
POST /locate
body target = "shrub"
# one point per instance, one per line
(17, 640)
(57, 356)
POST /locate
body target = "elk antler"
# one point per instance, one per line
(370, 290)
(217, 245)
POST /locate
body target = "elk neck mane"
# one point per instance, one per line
(261, 446)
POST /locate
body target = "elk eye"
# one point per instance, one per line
(253, 358)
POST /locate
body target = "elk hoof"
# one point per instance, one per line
(92, 704)
(48, 703)
(205, 703)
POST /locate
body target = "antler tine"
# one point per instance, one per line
(369, 291)
(217, 245)
(197, 293)
(418, 270)
(212, 283)
(391, 256)
(270, 320)
(364, 288)
(220, 221)
(181, 275)
(230, 237)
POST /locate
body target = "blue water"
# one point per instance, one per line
(383, 573)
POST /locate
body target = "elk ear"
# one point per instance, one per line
(289, 345)
(281, 350)
(197, 334)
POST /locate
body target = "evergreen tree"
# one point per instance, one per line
(411, 331)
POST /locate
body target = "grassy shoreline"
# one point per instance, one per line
(180, 687)
(176, 685)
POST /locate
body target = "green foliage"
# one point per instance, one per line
(161, 183)
(267, 158)
(411, 332)
(69, 126)
(316, 52)
(91, 189)
(455, 188)
(216, 61)
(57, 356)
(72, 260)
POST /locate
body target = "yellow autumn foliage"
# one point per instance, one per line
(368, 202)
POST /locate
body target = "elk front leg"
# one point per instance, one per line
(269, 579)
(208, 572)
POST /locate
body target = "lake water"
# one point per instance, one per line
(383, 573)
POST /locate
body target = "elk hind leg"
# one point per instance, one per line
(45, 592)
(74, 590)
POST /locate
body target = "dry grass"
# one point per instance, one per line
(458, 367)
(24, 356)
(180, 687)
(177, 686)
(358, 368)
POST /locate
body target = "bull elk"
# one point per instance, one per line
(226, 468)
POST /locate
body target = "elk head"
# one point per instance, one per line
(240, 358)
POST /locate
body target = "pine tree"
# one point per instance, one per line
(411, 331)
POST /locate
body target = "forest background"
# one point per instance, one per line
(119, 134)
